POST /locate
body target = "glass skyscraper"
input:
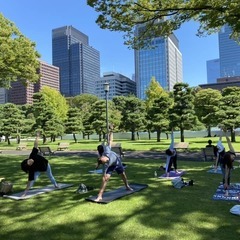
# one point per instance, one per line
(79, 63)
(162, 61)
(229, 54)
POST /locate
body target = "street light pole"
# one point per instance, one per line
(106, 89)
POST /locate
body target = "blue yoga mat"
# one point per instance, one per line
(216, 171)
(233, 193)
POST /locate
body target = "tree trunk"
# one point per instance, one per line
(182, 134)
(133, 136)
(209, 131)
(74, 137)
(158, 135)
(233, 136)
(44, 139)
(149, 134)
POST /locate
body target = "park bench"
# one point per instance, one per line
(181, 145)
(208, 152)
(117, 148)
(63, 146)
(45, 151)
(21, 146)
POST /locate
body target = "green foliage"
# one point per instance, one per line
(206, 105)
(12, 121)
(182, 114)
(161, 18)
(18, 58)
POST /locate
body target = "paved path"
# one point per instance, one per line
(193, 156)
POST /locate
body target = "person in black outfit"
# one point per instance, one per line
(34, 165)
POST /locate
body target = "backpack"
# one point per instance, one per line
(6, 187)
(178, 183)
(82, 188)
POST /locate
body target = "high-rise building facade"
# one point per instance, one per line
(21, 94)
(229, 54)
(119, 85)
(79, 63)
(162, 61)
(213, 70)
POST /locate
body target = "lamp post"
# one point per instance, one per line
(106, 89)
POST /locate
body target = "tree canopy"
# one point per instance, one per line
(18, 58)
(163, 17)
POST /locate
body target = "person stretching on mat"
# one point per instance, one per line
(226, 164)
(111, 162)
(171, 157)
(34, 165)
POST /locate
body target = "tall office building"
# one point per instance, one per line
(163, 61)
(229, 54)
(79, 63)
(20, 94)
(119, 85)
(213, 70)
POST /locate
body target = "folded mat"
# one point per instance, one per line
(37, 191)
(118, 193)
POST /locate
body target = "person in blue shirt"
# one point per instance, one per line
(111, 162)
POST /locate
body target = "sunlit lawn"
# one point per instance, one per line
(158, 212)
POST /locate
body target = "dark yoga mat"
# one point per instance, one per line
(37, 191)
(118, 193)
(233, 193)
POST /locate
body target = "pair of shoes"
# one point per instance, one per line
(190, 183)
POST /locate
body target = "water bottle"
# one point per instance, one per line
(155, 174)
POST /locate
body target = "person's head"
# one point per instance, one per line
(25, 165)
(100, 149)
(210, 142)
(169, 152)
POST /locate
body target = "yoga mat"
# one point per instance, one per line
(118, 193)
(173, 174)
(98, 171)
(213, 170)
(37, 191)
(233, 193)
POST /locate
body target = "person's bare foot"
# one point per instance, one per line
(129, 188)
(57, 186)
(98, 199)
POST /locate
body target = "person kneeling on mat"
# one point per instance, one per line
(34, 165)
(111, 162)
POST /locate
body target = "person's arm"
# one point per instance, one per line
(26, 189)
(36, 140)
(172, 141)
(110, 136)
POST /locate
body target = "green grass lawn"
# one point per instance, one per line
(195, 144)
(158, 212)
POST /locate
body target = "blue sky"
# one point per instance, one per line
(36, 19)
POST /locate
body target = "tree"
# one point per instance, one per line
(206, 105)
(74, 122)
(18, 58)
(133, 113)
(163, 17)
(158, 103)
(56, 101)
(47, 122)
(182, 113)
(229, 113)
(12, 121)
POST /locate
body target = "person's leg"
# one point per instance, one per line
(169, 166)
(50, 176)
(36, 175)
(124, 178)
(105, 179)
(175, 163)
